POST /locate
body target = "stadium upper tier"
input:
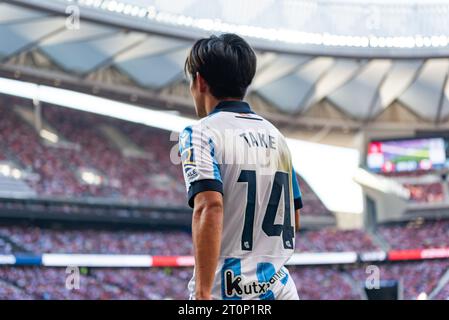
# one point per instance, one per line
(91, 165)
(76, 154)
(396, 76)
(416, 234)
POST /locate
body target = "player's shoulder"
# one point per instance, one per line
(281, 139)
(209, 126)
(199, 126)
(195, 133)
(270, 125)
(219, 121)
(185, 139)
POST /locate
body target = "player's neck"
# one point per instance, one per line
(211, 102)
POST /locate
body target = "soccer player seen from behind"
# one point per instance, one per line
(240, 181)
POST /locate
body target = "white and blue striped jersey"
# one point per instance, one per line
(243, 156)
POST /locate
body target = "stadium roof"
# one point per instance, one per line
(371, 28)
(330, 85)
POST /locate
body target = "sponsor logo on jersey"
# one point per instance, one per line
(189, 165)
(187, 157)
(233, 284)
(191, 173)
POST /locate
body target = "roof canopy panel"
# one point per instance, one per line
(400, 76)
(341, 71)
(424, 95)
(13, 14)
(278, 68)
(85, 56)
(356, 97)
(23, 35)
(155, 71)
(289, 92)
(86, 32)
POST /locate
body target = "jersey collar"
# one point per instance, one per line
(232, 106)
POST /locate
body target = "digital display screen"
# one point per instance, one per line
(406, 155)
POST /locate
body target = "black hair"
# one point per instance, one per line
(226, 62)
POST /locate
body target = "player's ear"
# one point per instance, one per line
(201, 83)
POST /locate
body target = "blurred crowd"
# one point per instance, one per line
(5, 247)
(53, 169)
(58, 166)
(443, 294)
(330, 239)
(414, 277)
(416, 234)
(313, 282)
(426, 193)
(46, 240)
(50, 240)
(323, 283)
(149, 176)
(412, 235)
(420, 192)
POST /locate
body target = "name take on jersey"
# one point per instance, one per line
(244, 157)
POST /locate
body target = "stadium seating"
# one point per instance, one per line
(51, 240)
(414, 235)
(44, 240)
(323, 283)
(330, 239)
(443, 294)
(416, 277)
(123, 177)
(50, 284)
(98, 152)
(126, 177)
(428, 234)
(21, 144)
(9, 291)
(105, 284)
(5, 247)
(157, 283)
(431, 192)
(317, 282)
(160, 283)
(426, 193)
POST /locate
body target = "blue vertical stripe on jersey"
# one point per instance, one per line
(216, 167)
(185, 139)
(285, 278)
(265, 271)
(296, 189)
(235, 265)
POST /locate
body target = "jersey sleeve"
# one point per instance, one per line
(200, 167)
(297, 195)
